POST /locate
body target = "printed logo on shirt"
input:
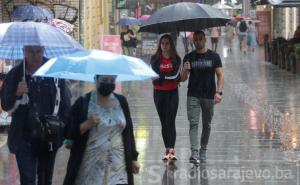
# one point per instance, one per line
(166, 66)
(202, 64)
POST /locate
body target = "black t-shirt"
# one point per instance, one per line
(128, 43)
(202, 75)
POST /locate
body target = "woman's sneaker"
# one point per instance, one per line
(172, 154)
(195, 157)
(166, 154)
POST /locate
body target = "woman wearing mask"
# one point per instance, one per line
(104, 149)
(167, 64)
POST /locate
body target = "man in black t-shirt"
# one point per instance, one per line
(128, 40)
(201, 66)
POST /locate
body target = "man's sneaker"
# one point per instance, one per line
(202, 154)
(194, 157)
(166, 154)
(172, 154)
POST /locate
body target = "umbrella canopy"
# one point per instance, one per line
(129, 21)
(144, 17)
(84, 65)
(184, 16)
(30, 12)
(61, 24)
(14, 36)
(220, 5)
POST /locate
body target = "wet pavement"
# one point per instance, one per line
(254, 138)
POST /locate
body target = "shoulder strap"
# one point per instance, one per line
(57, 98)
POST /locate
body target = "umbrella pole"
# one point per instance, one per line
(24, 69)
(185, 40)
(186, 44)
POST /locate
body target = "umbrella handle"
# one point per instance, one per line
(24, 70)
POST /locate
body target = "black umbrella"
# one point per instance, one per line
(184, 16)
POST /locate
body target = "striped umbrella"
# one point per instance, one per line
(15, 35)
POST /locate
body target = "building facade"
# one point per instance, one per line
(90, 18)
(285, 21)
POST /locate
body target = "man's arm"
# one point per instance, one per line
(12, 90)
(220, 84)
(220, 79)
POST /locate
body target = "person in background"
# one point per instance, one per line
(297, 32)
(215, 34)
(251, 40)
(103, 149)
(185, 40)
(243, 28)
(174, 35)
(200, 67)
(230, 33)
(128, 41)
(167, 64)
(34, 154)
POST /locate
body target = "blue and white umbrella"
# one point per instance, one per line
(15, 35)
(84, 65)
(30, 12)
(129, 21)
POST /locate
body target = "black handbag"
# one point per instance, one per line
(53, 125)
(53, 131)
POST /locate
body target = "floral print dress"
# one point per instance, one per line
(103, 160)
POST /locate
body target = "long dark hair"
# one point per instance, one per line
(173, 52)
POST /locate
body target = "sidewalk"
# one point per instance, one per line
(254, 132)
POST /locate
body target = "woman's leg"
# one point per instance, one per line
(171, 112)
(160, 104)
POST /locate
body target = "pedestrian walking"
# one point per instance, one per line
(174, 35)
(185, 40)
(215, 33)
(251, 40)
(297, 32)
(35, 154)
(167, 64)
(201, 66)
(230, 33)
(243, 28)
(128, 41)
(103, 149)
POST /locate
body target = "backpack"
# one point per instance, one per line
(243, 27)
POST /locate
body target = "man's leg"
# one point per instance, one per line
(125, 50)
(207, 106)
(130, 51)
(193, 113)
(46, 166)
(27, 164)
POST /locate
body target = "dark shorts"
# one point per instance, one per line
(214, 40)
